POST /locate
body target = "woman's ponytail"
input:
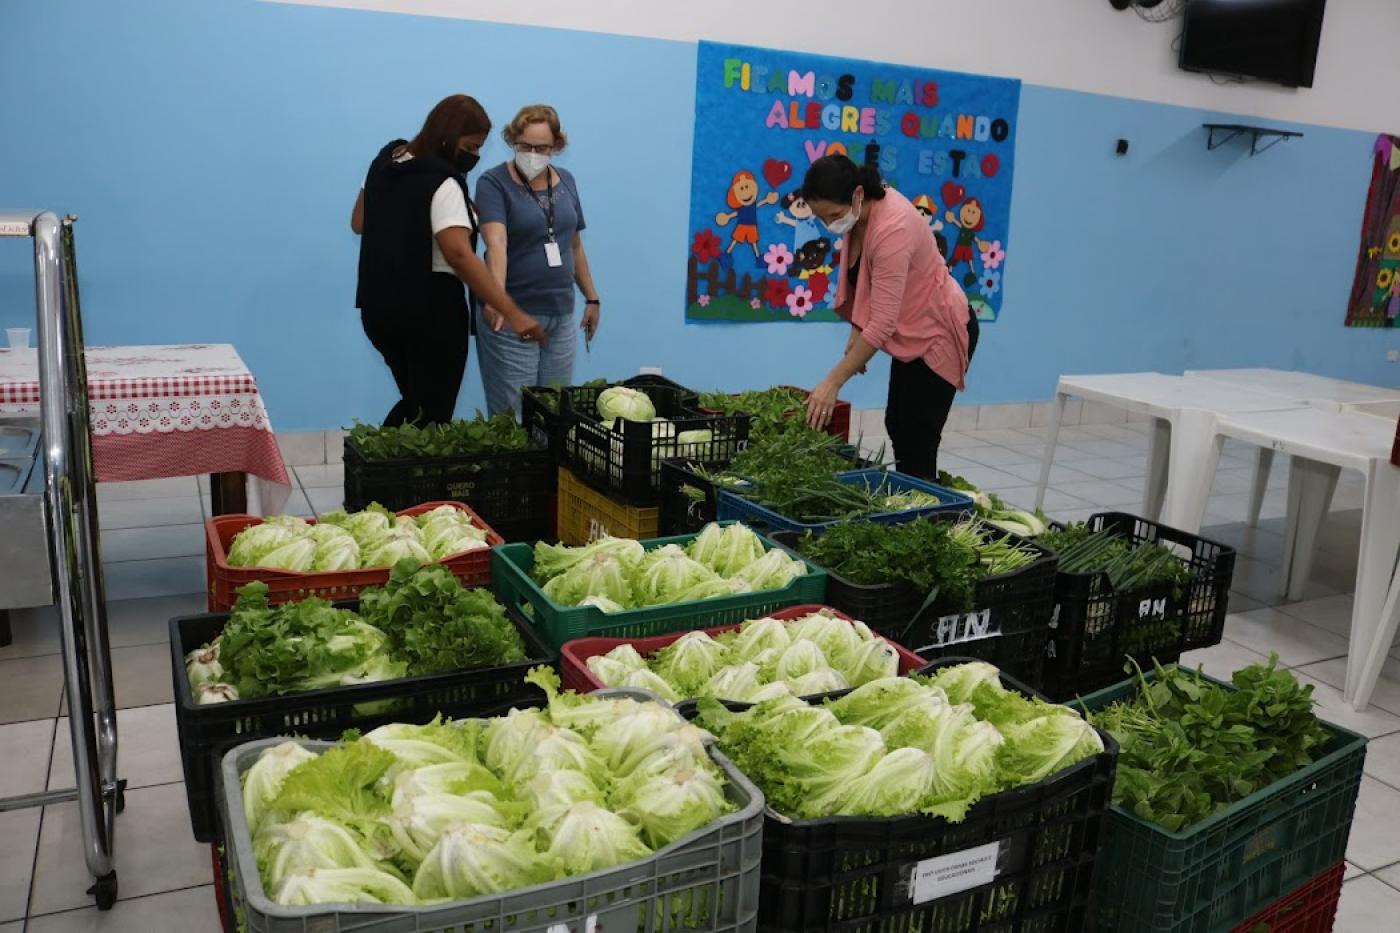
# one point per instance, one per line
(835, 178)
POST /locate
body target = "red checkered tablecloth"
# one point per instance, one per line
(166, 411)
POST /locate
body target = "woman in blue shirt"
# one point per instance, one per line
(532, 220)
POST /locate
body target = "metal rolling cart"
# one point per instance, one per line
(49, 504)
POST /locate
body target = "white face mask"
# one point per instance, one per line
(843, 224)
(531, 164)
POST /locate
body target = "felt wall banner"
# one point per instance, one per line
(946, 140)
(1375, 289)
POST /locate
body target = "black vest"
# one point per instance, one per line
(396, 247)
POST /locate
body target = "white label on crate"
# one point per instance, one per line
(952, 874)
(1055, 617)
(596, 530)
(1152, 608)
(963, 626)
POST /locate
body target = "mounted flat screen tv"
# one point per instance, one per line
(1272, 40)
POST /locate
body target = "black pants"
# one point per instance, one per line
(917, 410)
(426, 349)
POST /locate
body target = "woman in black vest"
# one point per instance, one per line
(417, 247)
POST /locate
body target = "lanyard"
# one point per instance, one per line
(548, 205)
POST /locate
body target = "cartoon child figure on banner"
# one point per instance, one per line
(925, 205)
(969, 220)
(797, 215)
(744, 202)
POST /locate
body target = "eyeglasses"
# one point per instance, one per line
(544, 149)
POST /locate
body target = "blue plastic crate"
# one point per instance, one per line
(760, 518)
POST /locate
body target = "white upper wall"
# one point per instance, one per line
(1082, 45)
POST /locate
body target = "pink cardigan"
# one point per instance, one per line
(905, 301)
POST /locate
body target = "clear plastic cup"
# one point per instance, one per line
(19, 337)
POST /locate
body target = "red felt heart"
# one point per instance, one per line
(776, 172)
(953, 193)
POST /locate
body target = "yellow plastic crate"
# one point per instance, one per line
(585, 514)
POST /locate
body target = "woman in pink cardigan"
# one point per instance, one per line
(896, 292)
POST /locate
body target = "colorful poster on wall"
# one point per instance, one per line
(1375, 290)
(946, 140)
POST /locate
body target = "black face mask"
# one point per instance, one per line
(466, 161)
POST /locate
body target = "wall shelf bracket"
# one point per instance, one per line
(1229, 131)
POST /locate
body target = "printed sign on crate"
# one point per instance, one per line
(945, 140)
(961, 627)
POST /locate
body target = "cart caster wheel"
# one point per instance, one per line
(121, 795)
(105, 891)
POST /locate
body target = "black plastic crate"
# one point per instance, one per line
(540, 413)
(624, 458)
(207, 731)
(512, 490)
(683, 513)
(1095, 628)
(1008, 625)
(850, 873)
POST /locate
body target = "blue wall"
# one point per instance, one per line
(213, 151)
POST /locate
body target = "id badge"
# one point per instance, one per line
(551, 255)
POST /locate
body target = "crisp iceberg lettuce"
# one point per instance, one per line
(669, 806)
(551, 560)
(471, 859)
(602, 574)
(666, 574)
(586, 838)
(394, 546)
(418, 822)
(628, 404)
(263, 780)
(897, 784)
(250, 544)
(341, 886)
(758, 636)
(690, 661)
(308, 841)
(726, 550)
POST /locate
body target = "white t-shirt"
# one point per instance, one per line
(448, 209)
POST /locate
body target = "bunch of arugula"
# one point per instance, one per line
(459, 438)
(1190, 747)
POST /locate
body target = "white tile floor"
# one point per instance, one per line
(153, 549)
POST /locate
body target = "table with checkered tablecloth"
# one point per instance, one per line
(168, 411)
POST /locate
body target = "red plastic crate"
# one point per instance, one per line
(573, 657)
(838, 426)
(473, 568)
(1310, 909)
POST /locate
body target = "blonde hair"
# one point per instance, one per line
(535, 113)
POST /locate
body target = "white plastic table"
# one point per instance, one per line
(1303, 389)
(1184, 412)
(1320, 444)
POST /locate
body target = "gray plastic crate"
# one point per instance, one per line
(706, 882)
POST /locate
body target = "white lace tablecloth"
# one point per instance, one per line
(166, 411)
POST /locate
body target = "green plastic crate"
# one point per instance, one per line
(511, 565)
(1210, 877)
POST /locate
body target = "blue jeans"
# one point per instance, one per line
(507, 362)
